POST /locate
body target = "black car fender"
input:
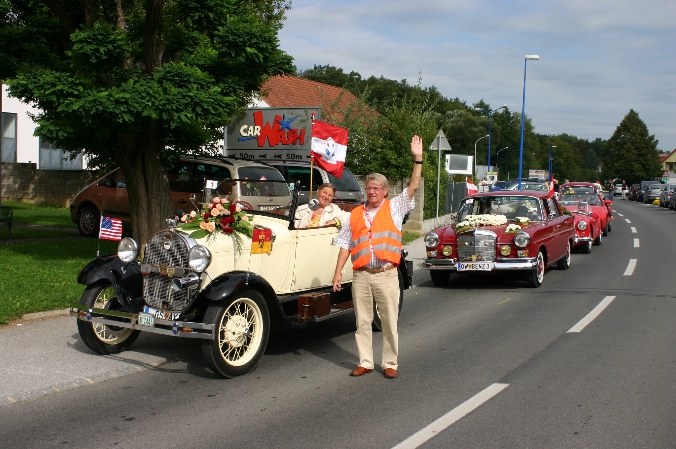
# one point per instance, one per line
(227, 284)
(125, 278)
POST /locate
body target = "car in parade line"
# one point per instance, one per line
(522, 231)
(224, 279)
(587, 225)
(597, 203)
(667, 193)
(633, 192)
(108, 195)
(652, 193)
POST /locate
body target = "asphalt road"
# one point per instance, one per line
(485, 362)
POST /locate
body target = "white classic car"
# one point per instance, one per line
(223, 288)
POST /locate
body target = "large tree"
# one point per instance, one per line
(134, 83)
(631, 152)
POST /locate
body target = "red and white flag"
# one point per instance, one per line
(471, 188)
(329, 147)
(110, 228)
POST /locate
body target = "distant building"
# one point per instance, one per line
(668, 161)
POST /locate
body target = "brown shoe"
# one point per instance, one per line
(390, 373)
(360, 371)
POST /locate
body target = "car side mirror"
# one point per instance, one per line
(608, 202)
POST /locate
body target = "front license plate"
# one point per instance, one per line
(268, 207)
(145, 319)
(475, 266)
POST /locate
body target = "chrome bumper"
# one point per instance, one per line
(183, 329)
(520, 263)
(577, 240)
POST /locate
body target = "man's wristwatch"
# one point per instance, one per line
(418, 162)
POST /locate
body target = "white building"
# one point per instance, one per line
(20, 145)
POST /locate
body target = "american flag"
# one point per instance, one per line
(110, 229)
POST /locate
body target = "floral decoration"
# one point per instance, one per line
(218, 217)
(522, 220)
(512, 228)
(473, 221)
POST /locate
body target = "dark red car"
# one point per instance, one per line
(523, 231)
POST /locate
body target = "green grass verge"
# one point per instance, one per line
(408, 237)
(19, 233)
(39, 276)
(39, 214)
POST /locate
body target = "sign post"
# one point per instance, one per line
(441, 144)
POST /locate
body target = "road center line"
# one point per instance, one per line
(627, 220)
(451, 417)
(630, 268)
(633, 230)
(591, 316)
(619, 214)
(508, 299)
(636, 244)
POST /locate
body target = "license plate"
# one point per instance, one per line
(475, 266)
(145, 319)
(268, 207)
(160, 314)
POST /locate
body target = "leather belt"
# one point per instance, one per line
(377, 270)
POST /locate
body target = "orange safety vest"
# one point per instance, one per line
(383, 236)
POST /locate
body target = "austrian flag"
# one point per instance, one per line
(329, 147)
(471, 188)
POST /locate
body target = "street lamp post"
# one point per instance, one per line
(549, 161)
(523, 112)
(498, 154)
(490, 120)
(475, 152)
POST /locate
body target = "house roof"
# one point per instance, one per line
(291, 91)
(671, 157)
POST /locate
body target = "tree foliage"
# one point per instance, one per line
(133, 83)
(631, 152)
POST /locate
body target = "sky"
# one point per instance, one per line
(598, 59)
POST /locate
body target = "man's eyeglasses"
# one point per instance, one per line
(374, 189)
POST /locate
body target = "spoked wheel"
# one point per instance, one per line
(564, 262)
(241, 330)
(103, 338)
(586, 249)
(440, 277)
(376, 325)
(537, 275)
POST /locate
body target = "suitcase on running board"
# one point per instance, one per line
(313, 305)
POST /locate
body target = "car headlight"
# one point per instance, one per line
(127, 250)
(582, 225)
(431, 240)
(199, 258)
(521, 239)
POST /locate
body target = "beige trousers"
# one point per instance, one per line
(384, 289)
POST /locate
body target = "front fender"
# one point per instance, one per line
(126, 278)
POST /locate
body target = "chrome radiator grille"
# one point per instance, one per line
(168, 249)
(476, 247)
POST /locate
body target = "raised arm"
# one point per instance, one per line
(417, 150)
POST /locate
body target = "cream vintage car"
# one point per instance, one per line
(217, 287)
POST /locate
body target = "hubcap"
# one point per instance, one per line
(541, 267)
(87, 222)
(109, 334)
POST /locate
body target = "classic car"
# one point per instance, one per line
(213, 280)
(108, 195)
(587, 225)
(588, 193)
(523, 231)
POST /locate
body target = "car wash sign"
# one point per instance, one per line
(271, 133)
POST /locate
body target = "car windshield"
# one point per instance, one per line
(534, 186)
(255, 185)
(348, 183)
(248, 187)
(509, 206)
(578, 190)
(576, 207)
(591, 199)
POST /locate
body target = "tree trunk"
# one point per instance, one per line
(147, 183)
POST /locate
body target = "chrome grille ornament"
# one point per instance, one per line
(164, 250)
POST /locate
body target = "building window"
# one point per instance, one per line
(671, 166)
(52, 158)
(8, 137)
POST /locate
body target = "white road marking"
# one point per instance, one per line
(11, 399)
(424, 434)
(630, 268)
(627, 220)
(636, 244)
(591, 316)
(619, 214)
(633, 230)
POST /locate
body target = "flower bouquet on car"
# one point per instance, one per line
(218, 217)
(473, 221)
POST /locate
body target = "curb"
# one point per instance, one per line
(42, 315)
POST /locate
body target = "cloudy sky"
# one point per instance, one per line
(598, 59)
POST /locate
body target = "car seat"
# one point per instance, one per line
(521, 211)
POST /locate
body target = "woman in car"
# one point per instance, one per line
(321, 212)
